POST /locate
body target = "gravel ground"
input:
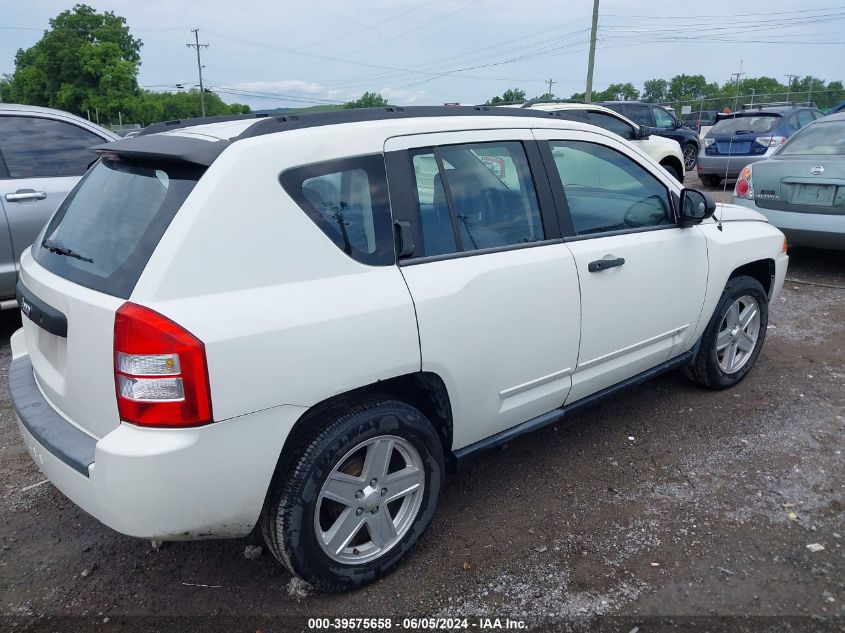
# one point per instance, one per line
(704, 516)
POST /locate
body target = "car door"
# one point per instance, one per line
(494, 286)
(44, 159)
(642, 277)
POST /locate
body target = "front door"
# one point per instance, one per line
(642, 276)
(494, 286)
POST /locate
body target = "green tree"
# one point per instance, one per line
(655, 90)
(508, 96)
(85, 60)
(618, 92)
(546, 96)
(367, 100)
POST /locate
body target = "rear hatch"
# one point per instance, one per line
(807, 174)
(743, 134)
(83, 267)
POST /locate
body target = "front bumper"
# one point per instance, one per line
(709, 165)
(816, 230)
(168, 484)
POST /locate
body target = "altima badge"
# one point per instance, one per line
(816, 170)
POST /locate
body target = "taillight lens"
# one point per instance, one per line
(160, 370)
(744, 187)
(770, 141)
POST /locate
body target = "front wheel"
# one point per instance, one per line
(733, 338)
(690, 152)
(672, 171)
(350, 502)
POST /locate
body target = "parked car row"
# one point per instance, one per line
(421, 285)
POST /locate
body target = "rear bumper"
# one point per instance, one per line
(169, 484)
(720, 165)
(815, 230)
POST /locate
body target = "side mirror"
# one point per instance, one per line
(696, 206)
(643, 132)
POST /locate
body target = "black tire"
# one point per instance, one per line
(705, 368)
(672, 171)
(288, 518)
(711, 181)
(690, 152)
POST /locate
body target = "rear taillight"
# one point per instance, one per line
(744, 188)
(160, 370)
(770, 141)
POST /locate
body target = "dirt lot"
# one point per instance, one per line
(669, 501)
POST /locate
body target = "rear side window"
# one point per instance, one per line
(612, 124)
(347, 199)
(805, 117)
(746, 124)
(108, 227)
(637, 113)
(33, 147)
(474, 197)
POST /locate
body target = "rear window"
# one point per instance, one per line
(744, 124)
(826, 138)
(108, 227)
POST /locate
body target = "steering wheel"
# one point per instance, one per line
(641, 213)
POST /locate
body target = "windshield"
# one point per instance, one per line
(822, 138)
(746, 124)
(106, 229)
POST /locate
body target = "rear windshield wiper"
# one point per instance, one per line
(55, 247)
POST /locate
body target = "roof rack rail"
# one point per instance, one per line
(175, 124)
(778, 104)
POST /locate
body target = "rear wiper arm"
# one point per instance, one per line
(55, 247)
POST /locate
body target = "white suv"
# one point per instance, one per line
(665, 151)
(300, 323)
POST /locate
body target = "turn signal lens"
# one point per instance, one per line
(785, 246)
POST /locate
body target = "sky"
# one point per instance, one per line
(282, 54)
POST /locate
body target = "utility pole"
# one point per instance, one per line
(198, 46)
(789, 85)
(550, 82)
(588, 96)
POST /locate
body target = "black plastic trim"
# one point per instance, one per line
(640, 229)
(61, 438)
(480, 251)
(39, 312)
(462, 455)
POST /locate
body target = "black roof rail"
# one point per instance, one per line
(164, 126)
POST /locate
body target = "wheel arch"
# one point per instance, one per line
(763, 270)
(674, 163)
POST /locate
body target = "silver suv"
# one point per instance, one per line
(43, 153)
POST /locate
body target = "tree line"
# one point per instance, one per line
(690, 90)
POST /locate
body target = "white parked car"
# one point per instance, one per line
(277, 322)
(666, 151)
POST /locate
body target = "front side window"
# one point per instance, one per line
(612, 124)
(33, 147)
(607, 191)
(348, 200)
(473, 197)
(663, 119)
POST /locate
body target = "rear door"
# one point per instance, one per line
(642, 277)
(495, 288)
(44, 159)
(83, 267)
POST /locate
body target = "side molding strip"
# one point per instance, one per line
(535, 383)
(634, 347)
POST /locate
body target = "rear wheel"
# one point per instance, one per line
(351, 501)
(690, 151)
(733, 338)
(672, 171)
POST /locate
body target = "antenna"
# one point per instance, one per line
(198, 46)
(731, 142)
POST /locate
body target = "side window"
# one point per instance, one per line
(612, 124)
(40, 148)
(804, 117)
(474, 197)
(663, 119)
(607, 191)
(348, 200)
(639, 114)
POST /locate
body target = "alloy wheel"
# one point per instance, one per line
(738, 334)
(690, 156)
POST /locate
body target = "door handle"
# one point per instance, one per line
(20, 196)
(603, 264)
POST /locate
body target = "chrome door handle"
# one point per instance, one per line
(19, 196)
(603, 264)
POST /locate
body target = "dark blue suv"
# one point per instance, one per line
(663, 123)
(749, 135)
